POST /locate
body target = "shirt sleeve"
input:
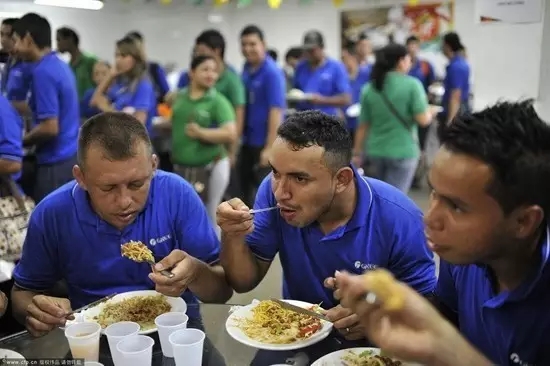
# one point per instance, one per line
(419, 102)
(183, 80)
(38, 269)
(341, 80)
(364, 116)
(143, 97)
(276, 95)
(410, 259)
(264, 240)
(224, 111)
(445, 290)
(194, 230)
(45, 94)
(11, 134)
(236, 93)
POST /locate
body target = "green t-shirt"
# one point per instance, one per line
(212, 110)
(230, 86)
(387, 136)
(83, 70)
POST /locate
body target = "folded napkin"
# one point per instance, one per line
(237, 307)
(6, 270)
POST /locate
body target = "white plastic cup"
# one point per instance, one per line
(117, 332)
(83, 340)
(136, 350)
(188, 346)
(167, 324)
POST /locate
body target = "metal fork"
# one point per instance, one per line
(258, 210)
(164, 272)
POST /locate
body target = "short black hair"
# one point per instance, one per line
(69, 33)
(115, 132)
(37, 27)
(135, 35)
(514, 141)
(452, 39)
(198, 60)
(309, 128)
(294, 52)
(273, 54)
(10, 22)
(412, 39)
(252, 29)
(213, 39)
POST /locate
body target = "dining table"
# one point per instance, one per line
(220, 349)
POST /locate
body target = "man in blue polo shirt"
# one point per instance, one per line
(488, 221)
(323, 79)
(54, 104)
(457, 79)
(75, 233)
(265, 104)
(11, 144)
(329, 219)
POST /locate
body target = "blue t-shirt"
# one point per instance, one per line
(54, 95)
(265, 89)
(423, 71)
(16, 81)
(67, 240)
(361, 79)
(386, 230)
(11, 134)
(329, 79)
(140, 97)
(511, 327)
(456, 77)
(85, 110)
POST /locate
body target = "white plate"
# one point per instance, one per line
(6, 353)
(354, 111)
(335, 358)
(246, 311)
(177, 303)
(436, 108)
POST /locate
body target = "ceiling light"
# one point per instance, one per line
(7, 14)
(75, 4)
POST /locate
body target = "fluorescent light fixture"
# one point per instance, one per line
(8, 14)
(75, 4)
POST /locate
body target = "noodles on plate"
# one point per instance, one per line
(270, 323)
(367, 358)
(140, 309)
(137, 251)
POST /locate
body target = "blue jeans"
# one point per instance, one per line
(397, 172)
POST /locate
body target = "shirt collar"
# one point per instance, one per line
(364, 202)
(260, 68)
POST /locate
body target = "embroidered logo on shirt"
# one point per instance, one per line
(365, 266)
(162, 239)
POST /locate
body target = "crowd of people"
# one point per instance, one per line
(105, 176)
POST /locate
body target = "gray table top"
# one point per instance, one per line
(220, 349)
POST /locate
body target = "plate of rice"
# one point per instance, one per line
(141, 307)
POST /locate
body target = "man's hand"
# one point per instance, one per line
(344, 320)
(185, 269)
(234, 218)
(194, 131)
(45, 313)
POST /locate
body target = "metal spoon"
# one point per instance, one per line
(258, 210)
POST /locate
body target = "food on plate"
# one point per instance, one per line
(139, 309)
(137, 251)
(367, 358)
(296, 94)
(382, 283)
(270, 323)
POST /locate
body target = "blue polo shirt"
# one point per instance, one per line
(362, 78)
(54, 95)
(508, 327)
(423, 71)
(67, 240)
(386, 230)
(457, 77)
(329, 79)
(86, 111)
(11, 134)
(265, 89)
(16, 81)
(139, 97)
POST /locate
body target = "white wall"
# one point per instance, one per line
(505, 58)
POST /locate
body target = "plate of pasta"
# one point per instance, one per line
(266, 325)
(363, 356)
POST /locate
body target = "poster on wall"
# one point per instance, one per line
(509, 11)
(429, 22)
